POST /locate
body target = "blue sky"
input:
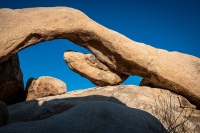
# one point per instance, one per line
(173, 25)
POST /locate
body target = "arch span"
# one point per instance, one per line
(109, 46)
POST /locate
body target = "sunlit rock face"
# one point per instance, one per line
(174, 71)
(44, 86)
(11, 81)
(88, 66)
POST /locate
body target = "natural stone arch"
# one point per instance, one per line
(170, 70)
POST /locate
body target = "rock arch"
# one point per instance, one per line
(170, 70)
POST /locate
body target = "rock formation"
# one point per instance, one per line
(44, 86)
(4, 115)
(87, 110)
(174, 71)
(88, 66)
(11, 81)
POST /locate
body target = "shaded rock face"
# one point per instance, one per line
(92, 110)
(44, 86)
(4, 115)
(88, 66)
(11, 81)
(174, 71)
(87, 117)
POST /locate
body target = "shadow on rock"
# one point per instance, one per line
(93, 113)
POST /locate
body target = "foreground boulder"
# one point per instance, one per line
(91, 68)
(4, 115)
(174, 71)
(44, 86)
(92, 117)
(11, 81)
(92, 110)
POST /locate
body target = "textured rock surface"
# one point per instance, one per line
(44, 86)
(11, 81)
(83, 104)
(4, 115)
(88, 66)
(171, 70)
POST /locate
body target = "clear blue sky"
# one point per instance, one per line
(173, 25)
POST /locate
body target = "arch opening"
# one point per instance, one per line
(132, 80)
(46, 59)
